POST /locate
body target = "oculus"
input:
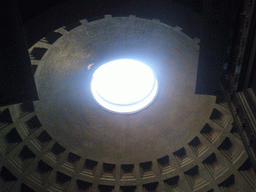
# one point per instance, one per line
(124, 86)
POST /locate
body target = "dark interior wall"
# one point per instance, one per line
(32, 8)
(218, 22)
(16, 77)
(61, 14)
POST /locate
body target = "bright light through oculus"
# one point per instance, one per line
(124, 85)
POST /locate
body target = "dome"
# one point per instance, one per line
(67, 141)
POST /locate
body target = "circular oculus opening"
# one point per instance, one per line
(124, 86)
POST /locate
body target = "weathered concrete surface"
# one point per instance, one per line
(69, 113)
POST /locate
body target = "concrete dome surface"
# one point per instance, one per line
(66, 141)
